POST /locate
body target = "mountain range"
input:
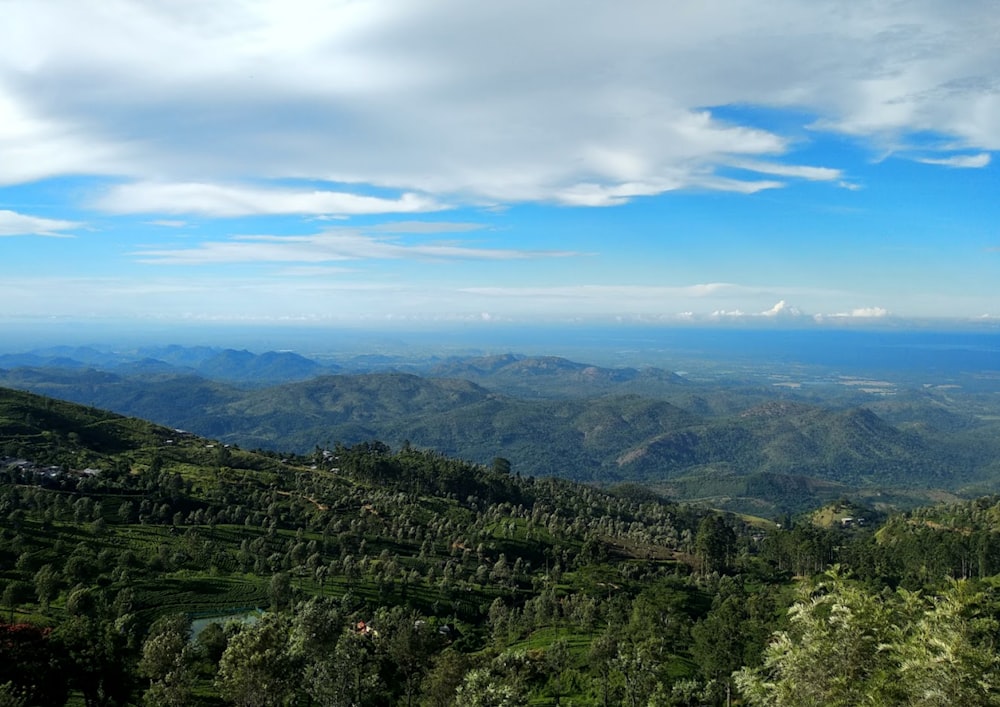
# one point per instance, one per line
(740, 446)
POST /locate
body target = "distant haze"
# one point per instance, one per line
(890, 351)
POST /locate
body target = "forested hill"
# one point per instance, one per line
(371, 576)
(118, 531)
(741, 447)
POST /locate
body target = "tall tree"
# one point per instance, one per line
(168, 661)
(100, 664)
(603, 651)
(15, 594)
(441, 683)
(257, 668)
(732, 634)
(280, 590)
(715, 544)
(317, 627)
(46, 585)
(409, 643)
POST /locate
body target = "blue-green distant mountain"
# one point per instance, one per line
(228, 365)
(734, 445)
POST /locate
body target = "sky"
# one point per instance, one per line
(419, 162)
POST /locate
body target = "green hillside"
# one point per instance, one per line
(111, 519)
(749, 445)
(362, 575)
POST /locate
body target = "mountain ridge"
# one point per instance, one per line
(535, 411)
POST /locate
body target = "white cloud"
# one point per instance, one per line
(16, 224)
(712, 288)
(330, 292)
(960, 161)
(329, 246)
(220, 200)
(861, 313)
(782, 309)
(471, 102)
(739, 186)
(870, 312)
(816, 174)
(680, 303)
(36, 144)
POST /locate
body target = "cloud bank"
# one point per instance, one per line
(458, 102)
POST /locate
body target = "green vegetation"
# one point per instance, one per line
(745, 448)
(409, 578)
(846, 646)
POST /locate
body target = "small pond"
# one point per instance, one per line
(241, 615)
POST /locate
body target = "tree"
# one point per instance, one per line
(487, 687)
(78, 568)
(168, 661)
(830, 655)
(410, 643)
(947, 657)
(731, 635)
(10, 696)
(442, 681)
(639, 665)
(212, 642)
(15, 594)
(257, 668)
(715, 544)
(99, 662)
(346, 676)
(660, 614)
(82, 601)
(46, 585)
(500, 574)
(845, 646)
(562, 678)
(603, 651)
(280, 590)
(125, 511)
(319, 625)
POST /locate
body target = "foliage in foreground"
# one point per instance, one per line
(847, 646)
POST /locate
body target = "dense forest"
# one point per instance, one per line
(762, 446)
(146, 565)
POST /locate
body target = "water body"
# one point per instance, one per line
(240, 615)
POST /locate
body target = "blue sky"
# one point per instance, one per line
(402, 162)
